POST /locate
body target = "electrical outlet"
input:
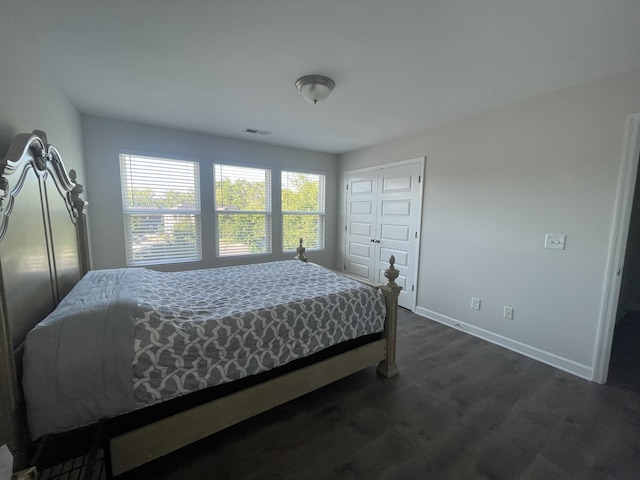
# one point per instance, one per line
(508, 313)
(475, 303)
(555, 241)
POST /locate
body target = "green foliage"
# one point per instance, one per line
(243, 215)
(160, 226)
(243, 233)
(170, 199)
(307, 227)
(140, 197)
(248, 232)
(301, 194)
(241, 195)
(240, 232)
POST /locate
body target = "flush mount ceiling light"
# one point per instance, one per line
(315, 88)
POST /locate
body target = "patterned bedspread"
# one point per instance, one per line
(127, 338)
(206, 327)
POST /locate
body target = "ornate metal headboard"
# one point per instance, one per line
(43, 251)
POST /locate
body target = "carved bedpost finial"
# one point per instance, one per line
(391, 273)
(300, 251)
(76, 191)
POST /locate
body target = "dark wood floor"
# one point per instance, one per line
(461, 409)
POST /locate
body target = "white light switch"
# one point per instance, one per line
(475, 303)
(552, 240)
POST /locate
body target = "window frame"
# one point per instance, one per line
(194, 254)
(321, 214)
(267, 213)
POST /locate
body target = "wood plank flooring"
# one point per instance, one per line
(461, 408)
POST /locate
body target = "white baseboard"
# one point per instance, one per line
(556, 361)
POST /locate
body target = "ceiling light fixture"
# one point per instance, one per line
(315, 88)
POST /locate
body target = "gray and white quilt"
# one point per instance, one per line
(124, 339)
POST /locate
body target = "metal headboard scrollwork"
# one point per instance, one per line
(32, 152)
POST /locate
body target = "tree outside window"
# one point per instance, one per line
(303, 210)
(243, 210)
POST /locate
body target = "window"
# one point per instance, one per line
(161, 205)
(302, 210)
(243, 210)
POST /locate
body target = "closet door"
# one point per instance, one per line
(362, 194)
(398, 208)
(383, 208)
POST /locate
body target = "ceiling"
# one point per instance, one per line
(400, 66)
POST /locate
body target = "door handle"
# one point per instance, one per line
(377, 241)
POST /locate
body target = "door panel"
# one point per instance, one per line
(383, 208)
(401, 183)
(361, 270)
(398, 225)
(402, 257)
(360, 250)
(362, 186)
(396, 207)
(361, 229)
(361, 208)
(401, 233)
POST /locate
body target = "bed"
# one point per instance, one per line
(167, 366)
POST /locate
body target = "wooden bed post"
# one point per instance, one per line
(300, 251)
(391, 291)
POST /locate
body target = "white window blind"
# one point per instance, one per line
(161, 206)
(303, 210)
(243, 210)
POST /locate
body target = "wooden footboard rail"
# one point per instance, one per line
(144, 444)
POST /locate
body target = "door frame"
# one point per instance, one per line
(422, 161)
(617, 247)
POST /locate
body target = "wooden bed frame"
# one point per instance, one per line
(44, 252)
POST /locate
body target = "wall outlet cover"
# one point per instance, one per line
(555, 241)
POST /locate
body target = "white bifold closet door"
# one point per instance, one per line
(383, 219)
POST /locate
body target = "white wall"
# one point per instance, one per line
(495, 185)
(33, 101)
(103, 140)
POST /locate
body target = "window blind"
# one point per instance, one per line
(303, 210)
(161, 206)
(243, 210)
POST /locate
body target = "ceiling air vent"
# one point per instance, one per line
(256, 131)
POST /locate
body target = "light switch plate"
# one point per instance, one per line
(475, 303)
(553, 240)
(508, 313)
